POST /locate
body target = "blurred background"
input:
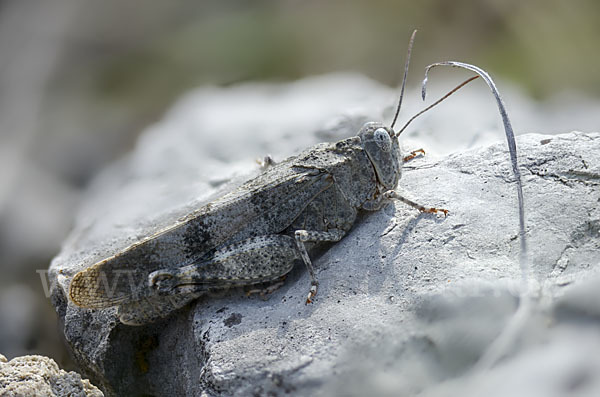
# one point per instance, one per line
(80, 79)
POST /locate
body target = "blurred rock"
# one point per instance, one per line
(36, 205)
(420, 298)
(31, 376)
(554, 357)
(18, 315)
(35, 218)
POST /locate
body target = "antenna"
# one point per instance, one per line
(512, 147)
(458, 87)
(410, 44)
(509, 334)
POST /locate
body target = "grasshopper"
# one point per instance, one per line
(254, 234)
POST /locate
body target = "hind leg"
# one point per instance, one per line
(153, 308)
(251, 261)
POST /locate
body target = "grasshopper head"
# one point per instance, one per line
(384, 152)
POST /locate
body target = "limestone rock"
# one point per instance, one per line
(40, 376)
(416, 298)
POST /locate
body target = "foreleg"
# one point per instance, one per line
(391, 194)
(413, 154)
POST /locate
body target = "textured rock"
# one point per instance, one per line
(410, 302)
(40, 376)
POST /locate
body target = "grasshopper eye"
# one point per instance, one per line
(382, 138)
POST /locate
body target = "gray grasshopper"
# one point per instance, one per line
(254, 234)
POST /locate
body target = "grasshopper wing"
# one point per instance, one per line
(265, 205)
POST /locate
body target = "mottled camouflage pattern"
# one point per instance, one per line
(251, 235)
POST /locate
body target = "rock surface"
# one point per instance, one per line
(407, 302)
(40, 376)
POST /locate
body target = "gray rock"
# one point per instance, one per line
(407, 302)
(17, 315)
(40, 376)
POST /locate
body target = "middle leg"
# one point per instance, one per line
(304, 236)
